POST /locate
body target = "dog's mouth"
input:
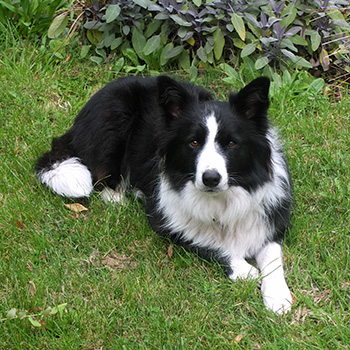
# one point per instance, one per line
(211, 190)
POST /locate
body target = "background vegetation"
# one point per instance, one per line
(149, 35)
(90, 276)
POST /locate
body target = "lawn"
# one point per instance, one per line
(101, 279)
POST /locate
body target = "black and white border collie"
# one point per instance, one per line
(212, 174)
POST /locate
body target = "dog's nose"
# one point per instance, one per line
(211, 178)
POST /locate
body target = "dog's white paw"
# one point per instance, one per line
(111, 196)
(276, 296)
(244, 271)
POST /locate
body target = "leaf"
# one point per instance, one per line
(193, 72)
(92, 25)
(298, 40)
(300, 61)
(324, 59)
(288, 54)
(126, 30)
(238, 338)
(238, 23)
(138, 42)
(112, 13)
(197, 2)
(153, 27)
(184, 60)
(84, 50)
(32, 288)
(248, 49)
(131, 55)
(116, 43)
(77, 207)
(292, 13)
(191, 41)
(34, 323)
(11, 314)
(219, 43)
(94, 36)
(293, 31)
(58, 308)
(261, 62)
(58, 25)
(152, 44)
(22, 315)
(229, 71)
(143, 3)
(201, 53)
(173, 52)
(180, 21)
(335, 14)
(289, 44)
(315, 40)
(317, 85)
(119, 65)
(239, 43)
(163, 59)
(107, 42)
(47, 311)
(170, 251)
(19, 224)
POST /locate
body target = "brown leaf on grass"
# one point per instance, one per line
(20, 224)
(30, 267)
(346, 284)
(170, 251)
(76, 207)
(238, 338)
(293, 298)
(32, 288)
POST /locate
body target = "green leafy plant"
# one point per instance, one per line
(309, 34)
(36, 319)
(31, 18)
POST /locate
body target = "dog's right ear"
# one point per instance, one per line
(172, 95)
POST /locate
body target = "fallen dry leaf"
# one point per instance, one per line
(346, 284)
(20, 224)
(170, 251)
(76, 207)
(238, 338)
(32, 288)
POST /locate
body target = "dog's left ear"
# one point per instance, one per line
(172, 96)
(253, 100)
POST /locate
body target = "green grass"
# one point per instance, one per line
(123, 288)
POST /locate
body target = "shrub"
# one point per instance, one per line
(312, 34)
(30, 17)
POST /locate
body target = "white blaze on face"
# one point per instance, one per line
(211, 172)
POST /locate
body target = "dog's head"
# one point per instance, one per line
(214, 144)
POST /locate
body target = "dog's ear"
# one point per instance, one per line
(252, 101)
(172, 95)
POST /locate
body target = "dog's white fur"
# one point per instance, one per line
(242, 231)
(68, 178)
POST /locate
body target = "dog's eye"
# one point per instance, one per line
(194, 143)
(231, 144)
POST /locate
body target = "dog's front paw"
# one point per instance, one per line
(276, 296)
(244, 271)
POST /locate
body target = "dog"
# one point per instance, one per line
(213, 175)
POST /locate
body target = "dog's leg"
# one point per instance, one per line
(242, 269)
(274, 289)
